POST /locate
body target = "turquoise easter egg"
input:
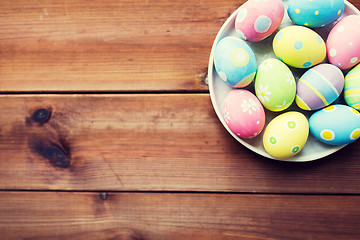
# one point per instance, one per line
(315, 13)
(336, 125)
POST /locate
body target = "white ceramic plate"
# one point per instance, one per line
(313, 149)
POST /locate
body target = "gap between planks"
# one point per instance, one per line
(180, 192)
(159, 92)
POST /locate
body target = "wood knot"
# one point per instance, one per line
(58, 154)
(39, 116)
(104, 195)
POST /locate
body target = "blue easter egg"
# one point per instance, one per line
(336, 125)
(315, 13)
(235, 62)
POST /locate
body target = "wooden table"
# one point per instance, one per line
(107, 132)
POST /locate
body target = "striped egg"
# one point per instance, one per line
(319, 86)
(336, 124)
(352, 88)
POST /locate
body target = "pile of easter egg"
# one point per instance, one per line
(275, 87)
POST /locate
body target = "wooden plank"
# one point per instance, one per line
(109, 45)
(160, 216)
(147, 142)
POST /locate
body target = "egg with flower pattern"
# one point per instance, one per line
(299, 46)
(336, 125)
(243, 113)
(235, 62)
(286, 135)
(275, 85)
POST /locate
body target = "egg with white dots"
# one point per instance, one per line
(352, 88)
(319, 87)
(235, 62)
(243, 113)
(343, 42)
(299, 46)
(315, 13)
(286, 135)
(275, 85)
(336, 125)
(257, 19)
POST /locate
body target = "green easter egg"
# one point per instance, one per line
(275, 85)
(352, 88)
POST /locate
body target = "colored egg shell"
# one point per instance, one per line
(343, 43)
(315, 13)
(257, 19)
(275, 85)
(336, 125)
(243, 113)
(352, 88)
(286, 135)
(319, 87)
(235, 62)
(299, 46)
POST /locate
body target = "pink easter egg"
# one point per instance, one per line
(343, 43)
(257, 19)
(243, 113)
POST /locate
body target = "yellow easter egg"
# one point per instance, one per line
(299, 46)
(286, 135)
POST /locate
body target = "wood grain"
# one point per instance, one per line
(163, 216)
(147, 142)
(143, 166)
(71, 45)
(109, 45)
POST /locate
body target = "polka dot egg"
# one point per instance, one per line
(299, 47)
(343, 43)
(319, 87)
(286, 135)
(352, 88)
(235, 62)
(315, 13)
(243, 113)
(336, 125)
(257, 19)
